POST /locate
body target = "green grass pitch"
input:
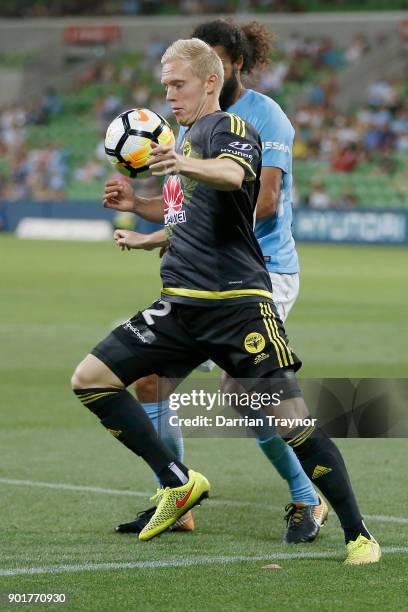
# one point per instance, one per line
(57, 300)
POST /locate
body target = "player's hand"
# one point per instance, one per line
(119, 195)
(126, 240)
(164, 160)
(163, 250)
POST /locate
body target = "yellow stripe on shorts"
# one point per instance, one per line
(271, 333)
(286, 350)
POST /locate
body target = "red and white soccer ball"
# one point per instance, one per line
(129, 137)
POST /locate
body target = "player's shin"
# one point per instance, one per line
(168, 429)
(323, 463)
(275, 449)
(319, 456)
(123, 416)
(283, 458)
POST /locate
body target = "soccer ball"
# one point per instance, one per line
(128, 140)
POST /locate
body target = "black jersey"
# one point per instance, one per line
(214, 257)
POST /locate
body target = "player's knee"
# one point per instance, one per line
(292, 409)
(282, 381)
(229, 385)
(80, 378)
(91, 373)
(146, 389)
(150, 389)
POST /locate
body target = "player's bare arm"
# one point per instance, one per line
(269, 192)
(222, 174)
(127, 239)
(120, 196)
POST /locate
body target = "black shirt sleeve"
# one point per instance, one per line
(233, 138)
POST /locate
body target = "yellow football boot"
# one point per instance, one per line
(362, 551)
(174, 502)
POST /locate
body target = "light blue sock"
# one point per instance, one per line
(159, 414)
(284, 459)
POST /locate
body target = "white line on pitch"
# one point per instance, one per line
(384, 518)
(89, 567)
(69, 487)
(218, 502)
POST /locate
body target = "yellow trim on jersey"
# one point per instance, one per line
(238, 159)
(232, 123)
(215, 295)
(241, 126)
(271, 333)
(237, 125)
(282, 342)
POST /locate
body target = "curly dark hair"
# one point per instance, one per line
(253, 41)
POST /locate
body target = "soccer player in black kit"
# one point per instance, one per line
(216, 301)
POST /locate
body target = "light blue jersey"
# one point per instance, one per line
(274, 234)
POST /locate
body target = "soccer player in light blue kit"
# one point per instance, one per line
(274, 231)
(242, 49)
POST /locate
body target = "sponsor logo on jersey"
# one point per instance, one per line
(261, 357)
(173, 197)
(275, 145)
(254, 342)
(241, 146)
(186, 147)
(238, 153)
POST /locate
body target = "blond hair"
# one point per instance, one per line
(202, 58)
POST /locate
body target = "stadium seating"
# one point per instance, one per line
(73, 134)
(44, 8)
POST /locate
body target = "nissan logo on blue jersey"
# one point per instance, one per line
(241, 146)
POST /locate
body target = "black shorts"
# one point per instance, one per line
(248, 341)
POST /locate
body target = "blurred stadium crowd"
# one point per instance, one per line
(54, 149)
(57, 8)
